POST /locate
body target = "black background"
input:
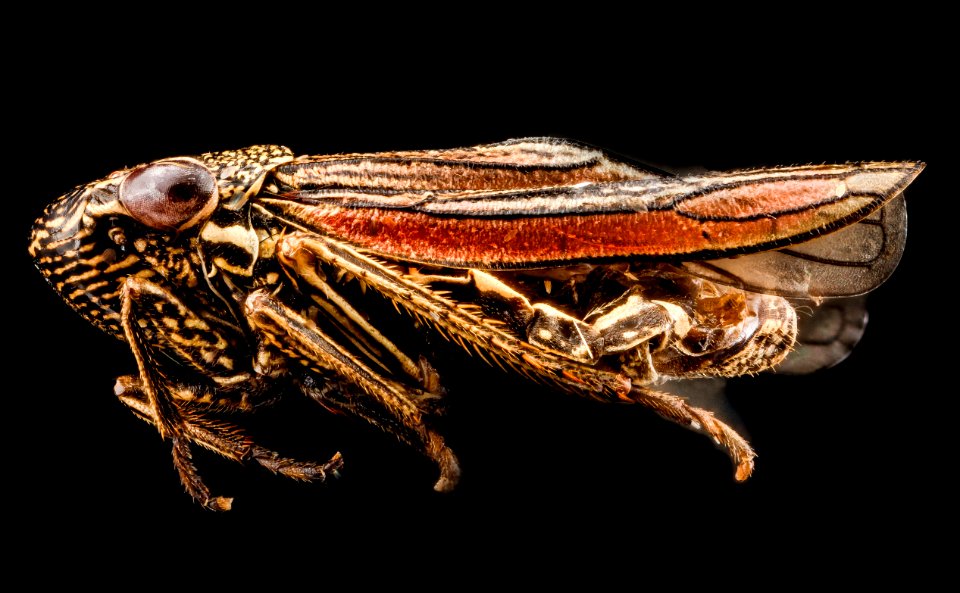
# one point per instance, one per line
(848, 456)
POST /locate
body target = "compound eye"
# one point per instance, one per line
(170, 195)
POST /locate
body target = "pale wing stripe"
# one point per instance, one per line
(592, 198)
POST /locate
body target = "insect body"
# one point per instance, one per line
(236, 276)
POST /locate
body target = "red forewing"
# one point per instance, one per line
(544, 202)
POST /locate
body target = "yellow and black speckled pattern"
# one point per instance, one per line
(240, 172)
(86, 272)
(86, 259)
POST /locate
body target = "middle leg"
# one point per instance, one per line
(382, 401)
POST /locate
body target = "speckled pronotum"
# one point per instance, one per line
(238, 276)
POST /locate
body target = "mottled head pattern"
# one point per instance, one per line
(240, 173)
(144, 221)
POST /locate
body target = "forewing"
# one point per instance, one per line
(850, 261)
(544, 202)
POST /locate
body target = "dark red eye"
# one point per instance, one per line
(170, 195)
